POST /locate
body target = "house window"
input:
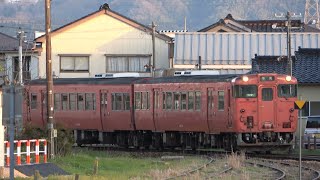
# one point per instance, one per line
(129, 63)
(314, 108)
(33, 101)
(74, 63)
(26, 63)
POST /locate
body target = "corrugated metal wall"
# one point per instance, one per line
(236, 48)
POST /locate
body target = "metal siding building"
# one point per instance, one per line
(235, 50)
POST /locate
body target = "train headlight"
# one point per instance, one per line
(245, 78)
(288, 78)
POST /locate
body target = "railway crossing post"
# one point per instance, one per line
(299, 105)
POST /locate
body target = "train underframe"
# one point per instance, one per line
(266, 141)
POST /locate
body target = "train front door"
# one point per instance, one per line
(266, 104)
(103, 108)
(211, 93)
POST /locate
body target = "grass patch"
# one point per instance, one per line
(122, 165)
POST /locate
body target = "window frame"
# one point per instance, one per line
(127, 60)
(74, 56)
(33, 104)
(219, 100)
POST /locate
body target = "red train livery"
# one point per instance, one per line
(252, 112)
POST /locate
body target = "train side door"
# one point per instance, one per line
(103, 107)
(43, 107)
(156, 107)
(211, 110)
(266, 107)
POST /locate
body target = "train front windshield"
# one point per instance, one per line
(245, 91)
(287, 90)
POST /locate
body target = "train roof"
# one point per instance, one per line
(189, 79)
(90, 81)
(137, 80)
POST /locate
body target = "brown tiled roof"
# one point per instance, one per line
(11, 44)
(261, 25)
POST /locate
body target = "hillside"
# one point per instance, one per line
(168, 14)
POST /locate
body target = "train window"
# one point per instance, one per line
(245, 91)
(183, 101)
(90, 101)
(137, 100)
(33, 101)
(210, 100)
(145, 100)
(57, 102)
(190, 100)
(221, 100)
(64, 100)
(198, 100)
(80, 102)
(116, 101)
(176, 96)
(126, 102)
(287, 90)
(164, 100)
(168, 100)
(267, 94)
(156, 99)
(72, 102)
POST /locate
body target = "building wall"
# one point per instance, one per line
(98, 36)
(309, 93)
(234, 50)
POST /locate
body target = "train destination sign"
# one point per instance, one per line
(299, 104)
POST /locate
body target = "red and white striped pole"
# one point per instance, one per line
(18, 152)
(8, 153)
(45, 152)
(28, 152)
(37, 151)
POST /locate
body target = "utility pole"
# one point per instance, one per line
(20, 36)
(49, 78)
(288, 16)
(12, 116)
(288, 23)
(153, 67)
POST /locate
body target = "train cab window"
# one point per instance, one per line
(190, 100)
(72, 102)
(64, 100)
(57, 101)
(176, 97)
(137, 100)
(33, 101)
(220, 100)
(287, 90)
(183, 101)
(168, 100)
(80, 102)
(198, 101)
(245, 91)
(145, 100)
(116, 101)
(90, 101)
(267, 94)
(126, 102)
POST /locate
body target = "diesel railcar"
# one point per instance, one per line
(253, 112)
